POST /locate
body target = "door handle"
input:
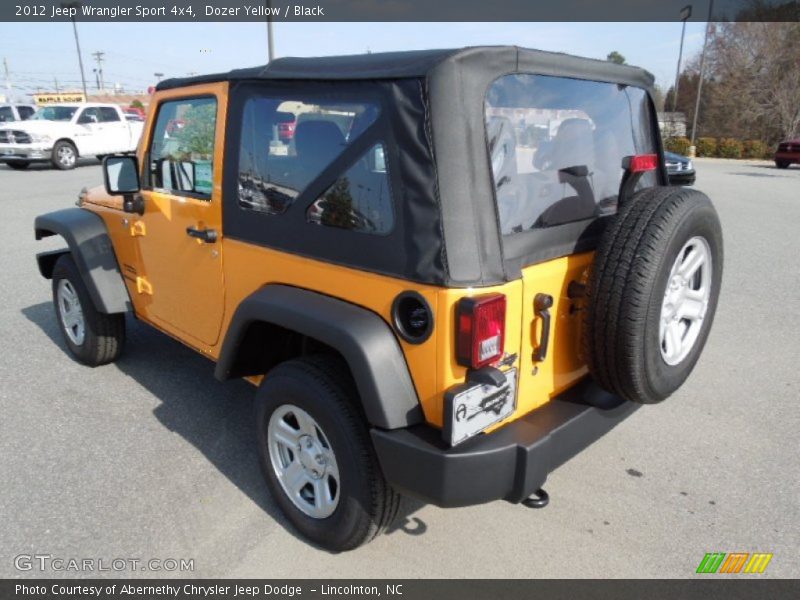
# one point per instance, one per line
(209, 236)
(541, 308)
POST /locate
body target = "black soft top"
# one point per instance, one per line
(432, 120)
(424, 63)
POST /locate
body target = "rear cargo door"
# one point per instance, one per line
(550, 358)
(556, 146)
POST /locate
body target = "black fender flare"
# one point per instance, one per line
(362, 337)
(91, 248)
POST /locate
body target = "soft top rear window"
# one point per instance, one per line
(556, 146)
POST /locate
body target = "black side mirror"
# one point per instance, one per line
(121, 176)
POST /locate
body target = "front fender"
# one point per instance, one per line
(91, 249)
(362, 337)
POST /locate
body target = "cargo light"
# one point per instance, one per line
(481, 325)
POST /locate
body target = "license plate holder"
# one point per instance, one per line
(472, 408)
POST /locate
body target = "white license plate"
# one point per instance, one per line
(479, 407)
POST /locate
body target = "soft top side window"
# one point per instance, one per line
(287, 142)
(360, 200)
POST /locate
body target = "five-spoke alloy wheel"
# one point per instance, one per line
(316, 454)
(685, 300)
(92, 337)
(70, 311)
(303, 461)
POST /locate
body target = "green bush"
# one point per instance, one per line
(756, 149)
(706, 146)
(678, 145)
(729, 148)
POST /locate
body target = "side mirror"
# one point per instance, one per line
(121, 176)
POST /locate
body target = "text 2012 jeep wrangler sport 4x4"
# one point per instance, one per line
(463, 268)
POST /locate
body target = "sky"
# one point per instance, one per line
(36, 53)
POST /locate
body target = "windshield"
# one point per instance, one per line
(6, 114)
(55, 113)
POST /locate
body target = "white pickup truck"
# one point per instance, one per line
(61, 133)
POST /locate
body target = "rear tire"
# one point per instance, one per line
(92, 337)
(65, 155)
(652, 293)
(306, 408)
(18, 165)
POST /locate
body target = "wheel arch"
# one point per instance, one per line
(87, 239)
(361, 337)
(71, 142)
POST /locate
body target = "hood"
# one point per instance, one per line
(42, 127)
(672, 157)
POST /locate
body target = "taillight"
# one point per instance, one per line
(641, 163)
(481, 323)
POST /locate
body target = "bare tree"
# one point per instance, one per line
(755, 71)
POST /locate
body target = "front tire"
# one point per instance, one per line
(782, 164)
(652, 293)
(316, 455)
(18, 165)
(92, 337)
(65, 155)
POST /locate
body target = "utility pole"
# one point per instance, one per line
(686, 13)
(55, 80)
(270, 33)
(158, 76)
(98, 57)
(76, 4)
(702, 69)
(8, 79)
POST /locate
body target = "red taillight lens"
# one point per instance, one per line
(643, 162)
(481, 323)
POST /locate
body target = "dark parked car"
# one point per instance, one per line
(679, 168)
(788, 153)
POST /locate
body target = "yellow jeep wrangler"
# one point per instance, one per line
(447, 272)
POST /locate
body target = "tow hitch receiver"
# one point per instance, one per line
(538, 499)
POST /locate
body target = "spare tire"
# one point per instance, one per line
(652, 293)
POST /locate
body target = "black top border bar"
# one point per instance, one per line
(697, 588)
(397, 10)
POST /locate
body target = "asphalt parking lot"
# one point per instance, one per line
(153, 458)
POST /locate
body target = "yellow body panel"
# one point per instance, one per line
(190, 290)
(563, 366)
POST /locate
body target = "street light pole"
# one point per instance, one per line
(76, 4)
(270, 33)
(686, 13)
(702, 69)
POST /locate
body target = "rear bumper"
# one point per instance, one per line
(509, 463)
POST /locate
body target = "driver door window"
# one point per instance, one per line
(182, 148)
